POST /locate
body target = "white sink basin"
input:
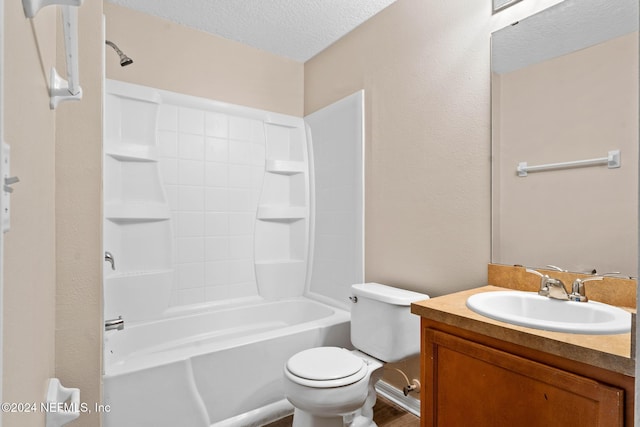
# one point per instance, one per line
(534, 311)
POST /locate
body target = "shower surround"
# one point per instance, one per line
(233, 238)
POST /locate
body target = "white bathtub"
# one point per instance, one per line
(220, 367)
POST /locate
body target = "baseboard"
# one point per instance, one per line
(389, 392)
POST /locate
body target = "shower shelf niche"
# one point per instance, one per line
(282, 226)
(131, 152)
(137, 228)
(136, 211)
(279, 212)
(286, 167)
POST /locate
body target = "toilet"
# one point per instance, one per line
(335, 387)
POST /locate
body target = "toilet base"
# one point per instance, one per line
(364, 416)
(305, 419)
(360, 421)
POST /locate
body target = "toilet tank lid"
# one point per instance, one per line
(387, 294)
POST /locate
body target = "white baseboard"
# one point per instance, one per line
(389, 392)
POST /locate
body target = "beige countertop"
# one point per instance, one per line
(611, 352)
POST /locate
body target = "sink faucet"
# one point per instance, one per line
(578, 292)
(550, 287)
(557, 289)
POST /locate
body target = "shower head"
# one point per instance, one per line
(124, 59)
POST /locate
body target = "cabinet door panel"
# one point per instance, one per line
(472, 384)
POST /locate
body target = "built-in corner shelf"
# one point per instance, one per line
(131, 152)
(275, 212)
(282, 218)
(137, 230)
(137, 211)
(286, 167)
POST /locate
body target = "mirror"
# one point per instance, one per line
(502, 4)
(565, 89)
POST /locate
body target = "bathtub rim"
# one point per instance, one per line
(135, 361)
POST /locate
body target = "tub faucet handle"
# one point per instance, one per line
(108, 256)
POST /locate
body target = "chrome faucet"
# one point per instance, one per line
(108, 256)
(554, 288)
(557, 289)
(578, 292)
(550, 287)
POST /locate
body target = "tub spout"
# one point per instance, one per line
(111, 324)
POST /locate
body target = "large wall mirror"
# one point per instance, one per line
(565, 89)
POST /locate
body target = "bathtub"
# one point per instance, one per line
(219, 367)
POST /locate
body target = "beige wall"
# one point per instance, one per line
(424, 67)
(577, 106)
(176, 58)
(29, 264)
(79, 256)
(52, 269)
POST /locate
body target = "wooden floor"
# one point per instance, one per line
(385, 414)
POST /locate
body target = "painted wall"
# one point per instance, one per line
(29, 293)
(52, 313)
(424, 68)
(176, 58)
(589, 212)
(78, 216)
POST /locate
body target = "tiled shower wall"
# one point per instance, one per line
(212, 165)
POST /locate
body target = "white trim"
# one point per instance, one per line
(1, 175)
(392, 394)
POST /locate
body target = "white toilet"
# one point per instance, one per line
(334, 387)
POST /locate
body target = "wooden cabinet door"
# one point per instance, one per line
(469, 384)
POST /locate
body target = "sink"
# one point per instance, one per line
(535, 311)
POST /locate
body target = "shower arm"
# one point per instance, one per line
(124, 59)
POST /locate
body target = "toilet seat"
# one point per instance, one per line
(325, 367)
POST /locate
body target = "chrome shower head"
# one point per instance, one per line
(124, 59)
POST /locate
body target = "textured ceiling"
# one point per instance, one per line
(297, 29)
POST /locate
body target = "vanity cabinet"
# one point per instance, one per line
(473, 379)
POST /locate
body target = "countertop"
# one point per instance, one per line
(611, 352)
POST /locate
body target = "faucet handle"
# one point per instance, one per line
(537, 273)
(578, 292)
(108, 256)
(544, 282)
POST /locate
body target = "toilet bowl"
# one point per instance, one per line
(335, 387)
(326, 383)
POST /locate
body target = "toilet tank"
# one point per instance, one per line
(381, 321)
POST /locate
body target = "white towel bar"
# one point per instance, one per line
(612, 161)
